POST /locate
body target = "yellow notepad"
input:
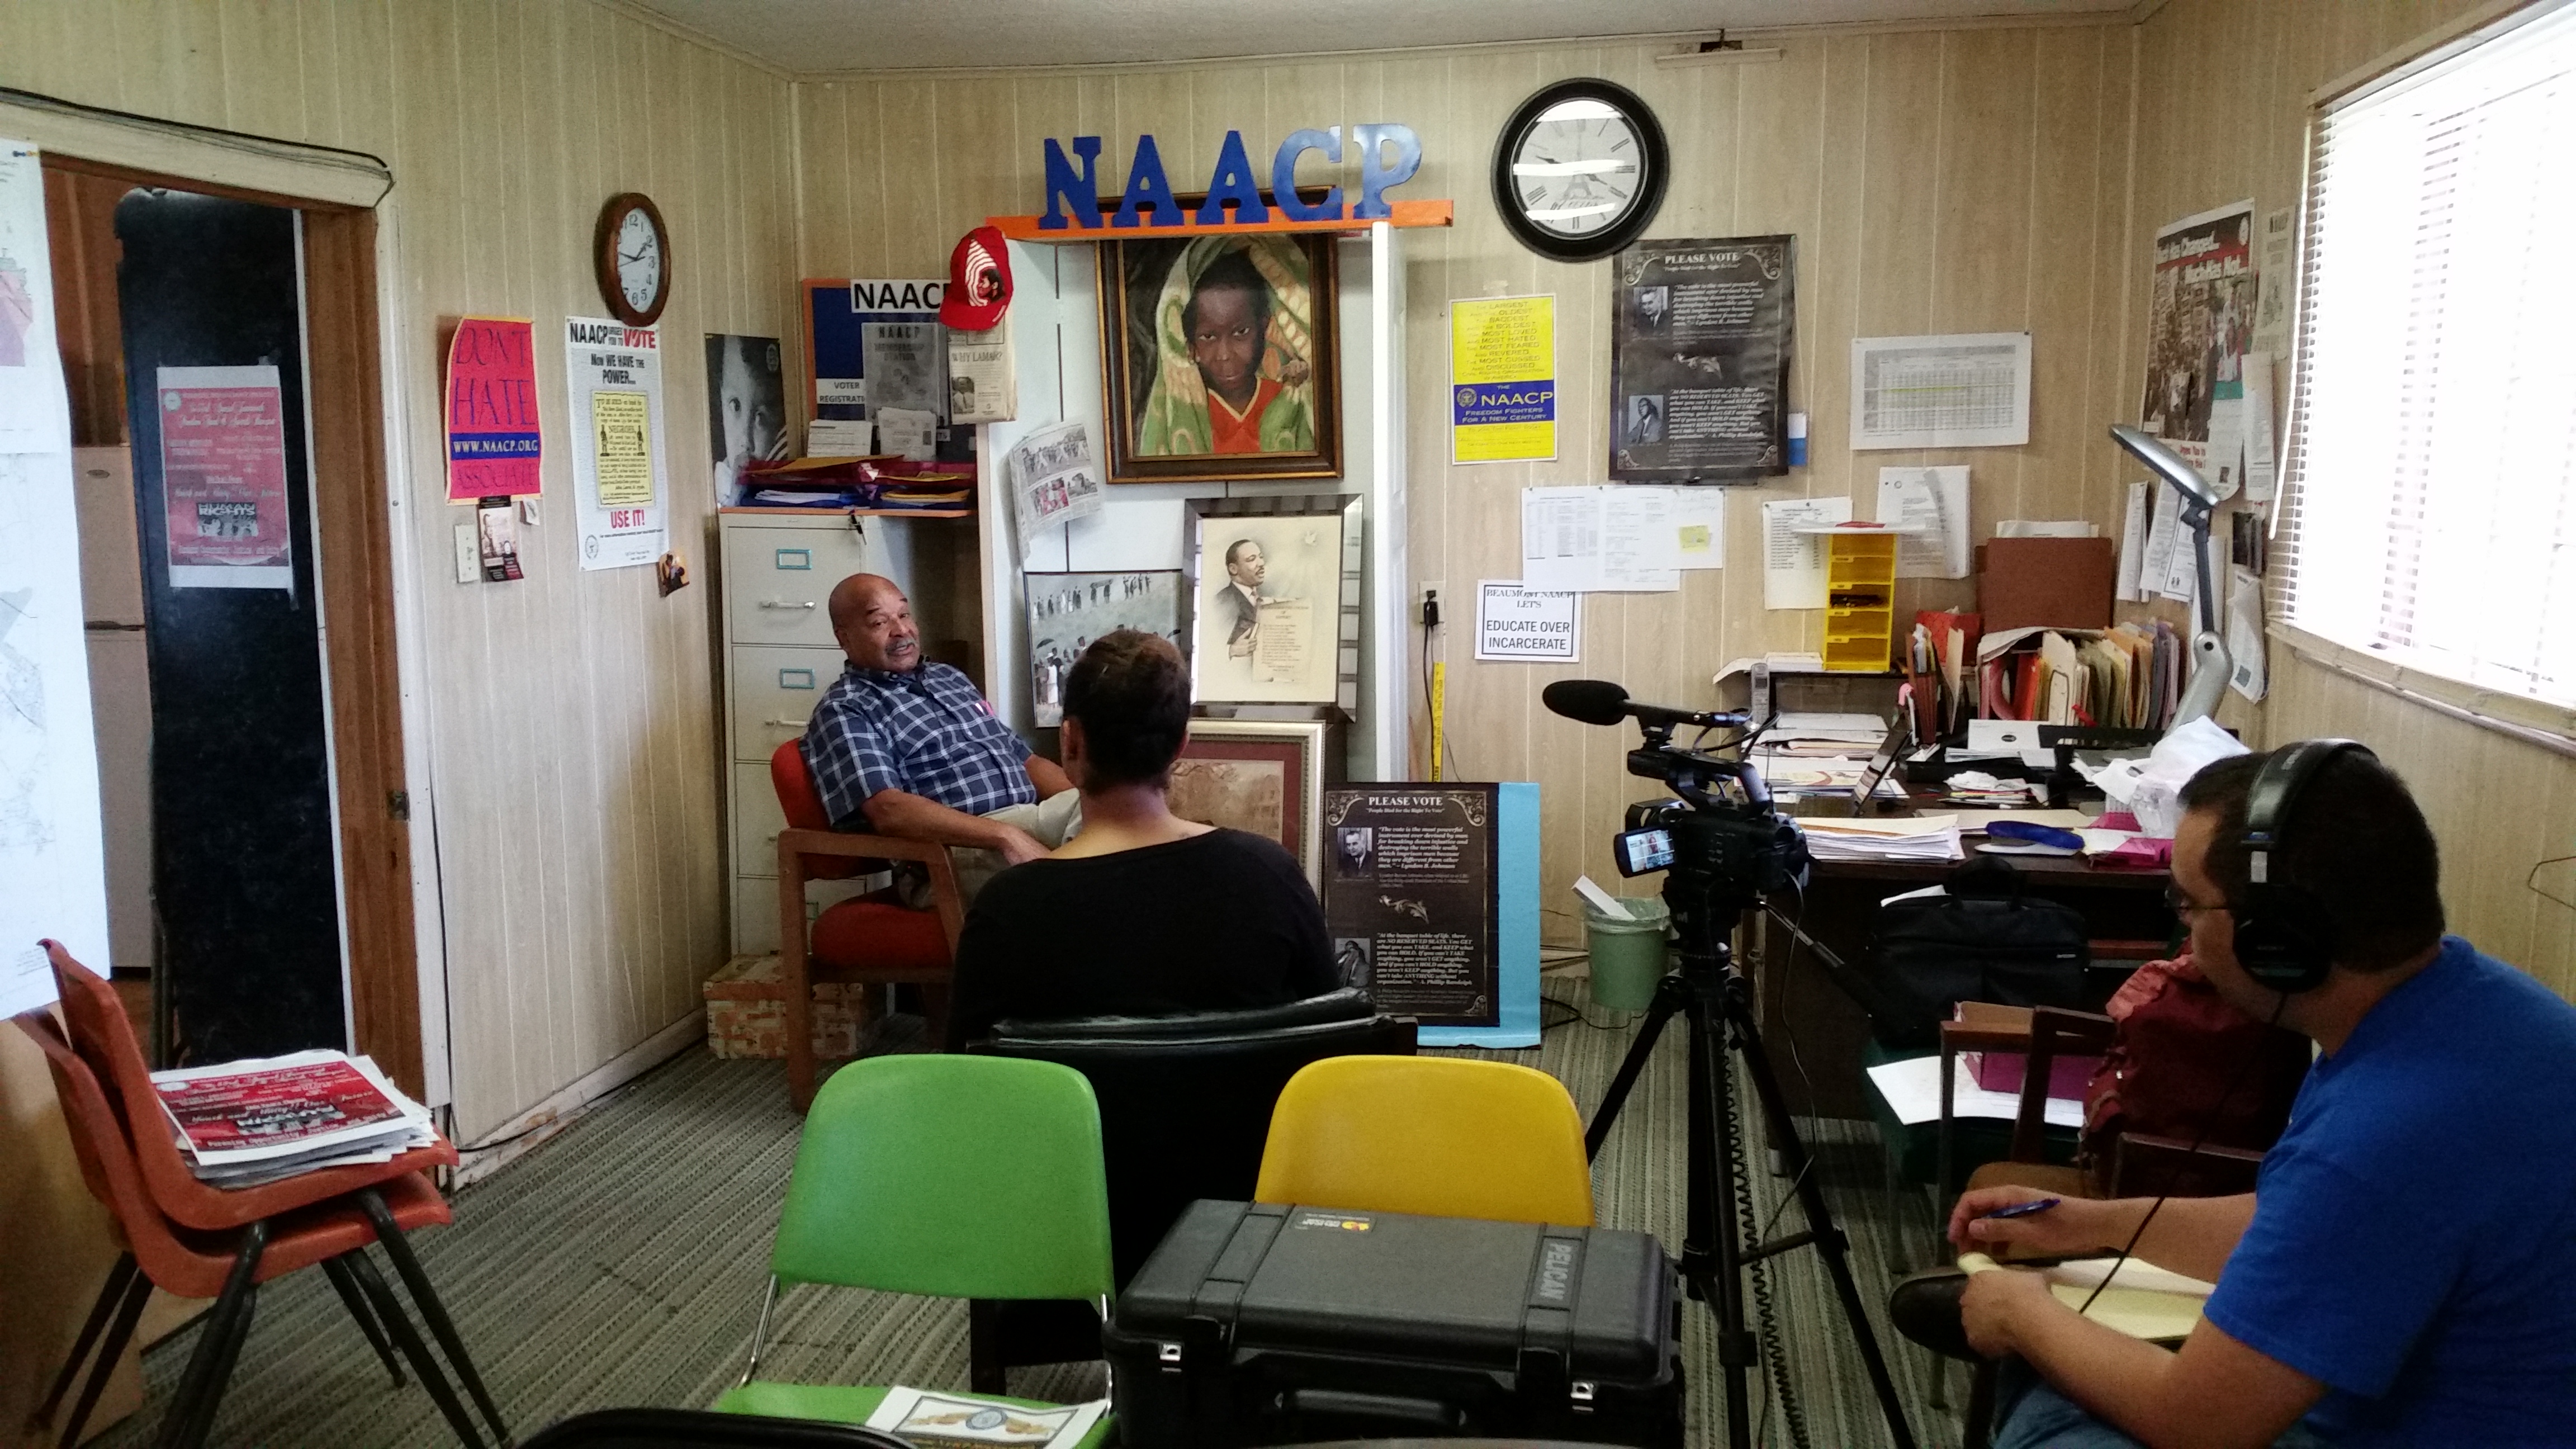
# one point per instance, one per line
(2143, 1301)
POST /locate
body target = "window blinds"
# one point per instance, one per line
(2431, 487)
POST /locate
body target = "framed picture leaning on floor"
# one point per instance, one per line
(1263, 777)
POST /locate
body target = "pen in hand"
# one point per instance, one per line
(2022, 1209)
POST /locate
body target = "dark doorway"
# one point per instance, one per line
(211, 297)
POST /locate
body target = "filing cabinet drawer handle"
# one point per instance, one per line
(786, 604)
(784, 724)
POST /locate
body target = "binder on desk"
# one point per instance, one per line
(2062, 583)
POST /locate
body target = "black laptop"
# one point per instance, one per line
(1858, 800)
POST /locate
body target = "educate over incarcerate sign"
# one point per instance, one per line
(1149, 202)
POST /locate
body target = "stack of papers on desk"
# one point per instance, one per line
(1912, 1088)
(1928, 838)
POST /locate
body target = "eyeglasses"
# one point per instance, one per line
(2181, 904)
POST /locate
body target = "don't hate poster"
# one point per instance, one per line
(495, 448)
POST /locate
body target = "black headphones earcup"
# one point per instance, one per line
(2283, 937)
(2282, 940)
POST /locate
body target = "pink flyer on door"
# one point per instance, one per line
(223, 478)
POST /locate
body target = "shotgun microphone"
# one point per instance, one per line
(1599, 702)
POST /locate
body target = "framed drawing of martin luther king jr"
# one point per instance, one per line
(1219, 358)
(1274, 591)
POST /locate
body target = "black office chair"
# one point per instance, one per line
(1184, 1111)
(702, 1429)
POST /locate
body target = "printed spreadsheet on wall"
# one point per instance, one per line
(1966, 391)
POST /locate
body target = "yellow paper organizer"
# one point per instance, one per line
(1860, 598)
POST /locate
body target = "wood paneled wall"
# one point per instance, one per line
(1966, 180)
(2223, 108)
(574, 749)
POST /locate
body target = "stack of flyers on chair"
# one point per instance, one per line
(246, 1122)
(929, 1420)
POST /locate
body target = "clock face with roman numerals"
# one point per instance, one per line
(1579, 170)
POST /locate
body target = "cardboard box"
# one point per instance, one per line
(2062, 583)
(747, 1012)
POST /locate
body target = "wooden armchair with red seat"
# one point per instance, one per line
(195, 1240)
(871, 939)
(2123, 1164)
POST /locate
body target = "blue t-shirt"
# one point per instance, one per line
(2414, 1233)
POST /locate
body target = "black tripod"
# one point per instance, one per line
(1715, 1000)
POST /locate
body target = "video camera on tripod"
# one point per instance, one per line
(1719, 836)
(1725, 847)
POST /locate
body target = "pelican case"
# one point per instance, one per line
(1255, 1323)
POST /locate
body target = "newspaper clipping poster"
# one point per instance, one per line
(619, 464)
(2200, 324)
(1409, 898)
(983, 385)
(1053, 480)
(1699, 360)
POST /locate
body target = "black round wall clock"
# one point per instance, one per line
(1579, 169)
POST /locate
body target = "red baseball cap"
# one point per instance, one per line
(979, 281)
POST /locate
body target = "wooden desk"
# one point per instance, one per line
(1800, 1001)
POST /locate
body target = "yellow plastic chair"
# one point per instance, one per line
(1440, 1136)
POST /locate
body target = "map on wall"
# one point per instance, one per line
(53, 863)
(53, 866)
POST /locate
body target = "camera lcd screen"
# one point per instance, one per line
(1640, 851)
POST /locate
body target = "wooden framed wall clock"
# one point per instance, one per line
(1579, 169)
(633, 256)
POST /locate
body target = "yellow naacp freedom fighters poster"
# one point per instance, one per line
(1502, 376)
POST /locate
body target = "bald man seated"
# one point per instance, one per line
(898, 746)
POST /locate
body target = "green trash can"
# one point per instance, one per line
(1627, 956)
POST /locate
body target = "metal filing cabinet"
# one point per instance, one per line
(779, 570)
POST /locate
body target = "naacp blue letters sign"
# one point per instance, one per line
(1389, 155)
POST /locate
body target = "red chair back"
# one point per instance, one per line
(108, 1167)
(804, 811)
(99, 1035)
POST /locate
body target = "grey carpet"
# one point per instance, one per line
(622, 1263)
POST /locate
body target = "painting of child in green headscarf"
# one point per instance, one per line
(1220, 360)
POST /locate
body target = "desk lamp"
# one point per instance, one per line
(2208, 648)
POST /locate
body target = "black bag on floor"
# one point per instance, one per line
(1982, 941)
(1260, 1324)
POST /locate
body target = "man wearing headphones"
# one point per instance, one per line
(2405, 1270)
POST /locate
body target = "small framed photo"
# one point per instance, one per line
(1219, 358)
(1264, 777)
(1275, 600)
(1067, 611)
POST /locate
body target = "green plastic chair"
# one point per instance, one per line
(947, 1176)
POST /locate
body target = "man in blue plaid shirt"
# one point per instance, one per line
(910, 749)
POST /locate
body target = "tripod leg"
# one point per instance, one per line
(1713, 1231)
(1670, 993)
(1828, 1237)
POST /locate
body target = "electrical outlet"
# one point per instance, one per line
(469, 555)
(1436, 586)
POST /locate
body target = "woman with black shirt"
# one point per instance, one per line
(1143, 913)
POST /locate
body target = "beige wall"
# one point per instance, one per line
(1970, 180)
(2239, 77)
(575, 760)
